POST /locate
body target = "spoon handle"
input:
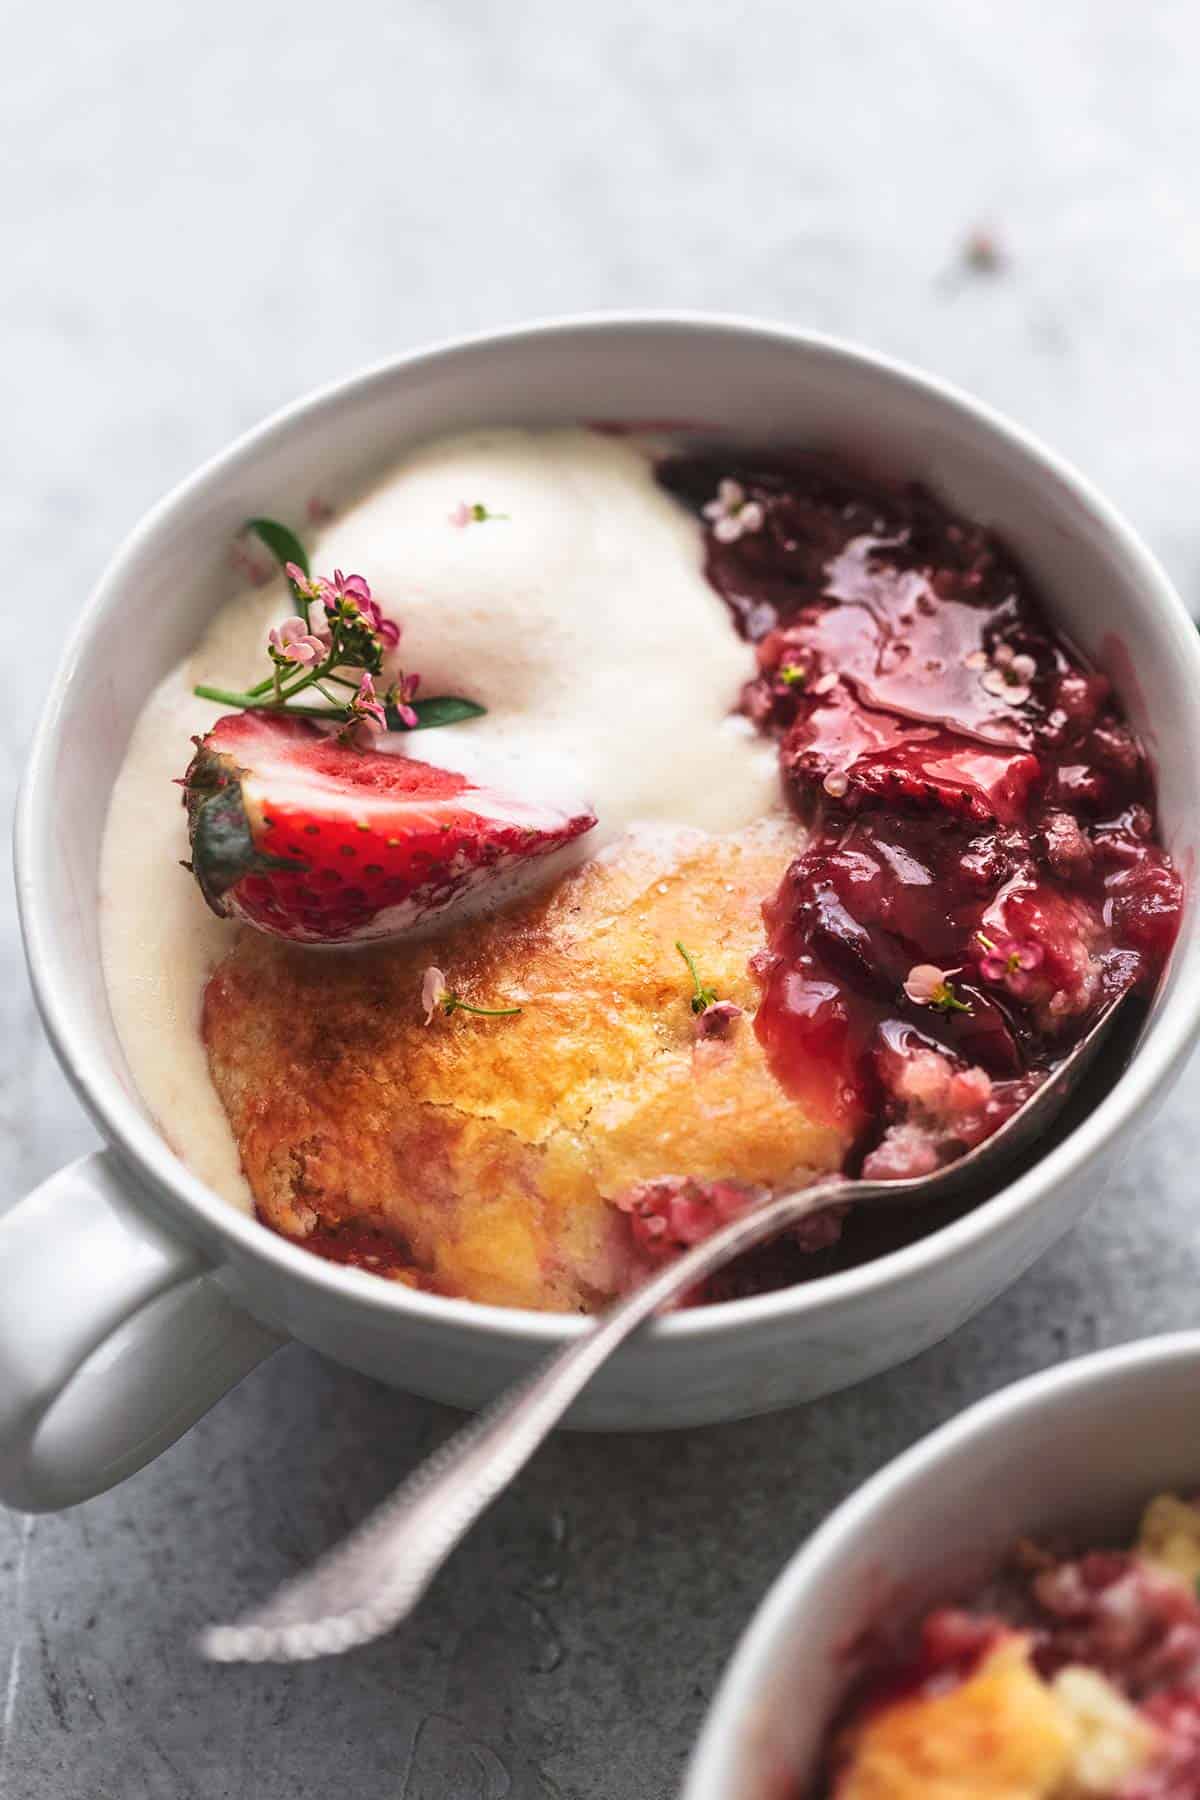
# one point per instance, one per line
(364, 1587)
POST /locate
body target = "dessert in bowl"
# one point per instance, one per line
(510, 992)
(635, 1092)
(1075, 1671)
(1009, 1609)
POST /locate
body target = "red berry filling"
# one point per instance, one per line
(982, 872)
(1175, 1774)
(1110, 1611)
(1140, 1629)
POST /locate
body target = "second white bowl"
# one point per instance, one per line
(1079, 1449)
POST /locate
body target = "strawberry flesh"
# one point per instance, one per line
(316, 841)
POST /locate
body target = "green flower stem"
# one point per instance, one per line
(452, 1004)
(436, 710)
(254, 701)
(703, 997)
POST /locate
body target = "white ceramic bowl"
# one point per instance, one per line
(131, 1296)
(1037, 1458)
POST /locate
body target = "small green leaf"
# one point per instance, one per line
(283, 544)
(440, 709)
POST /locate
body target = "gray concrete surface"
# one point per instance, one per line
(210, 208)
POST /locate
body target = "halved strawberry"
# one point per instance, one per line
(313, 840)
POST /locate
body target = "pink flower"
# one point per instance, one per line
(366, 708)
(718, 1020)
(433, 992)
(927, 985)
(472, 513)
(924, 981)
(400, 696)
(1010, 962)
(307, 586)
(346, 587)
(293, 642)
(351, 589)
(386, 630)
(731, 514)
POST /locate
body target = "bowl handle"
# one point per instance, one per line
(114, 1337)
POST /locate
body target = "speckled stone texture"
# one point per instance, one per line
(211, 208)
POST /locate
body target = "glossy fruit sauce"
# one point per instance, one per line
(983, 871)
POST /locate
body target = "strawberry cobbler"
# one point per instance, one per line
(643, 833)
(1077, 1677)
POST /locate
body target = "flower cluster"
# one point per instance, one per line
(343, 628)
(332, 648)
(1006, 962)
(1006, 673)
(346, 600)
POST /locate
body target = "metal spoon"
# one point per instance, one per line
(372, 1581)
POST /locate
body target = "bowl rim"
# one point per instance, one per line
(849, 1524)
(138, 1141)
